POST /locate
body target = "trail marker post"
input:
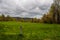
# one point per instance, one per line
(21, 30)
(20, 36)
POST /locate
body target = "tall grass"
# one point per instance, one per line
(31, 31)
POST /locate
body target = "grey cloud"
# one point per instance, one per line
(23, 9)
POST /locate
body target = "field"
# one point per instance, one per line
(31, 31)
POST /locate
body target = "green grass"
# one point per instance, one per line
(32, 31)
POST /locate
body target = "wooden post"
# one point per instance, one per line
(20, 36)
(21, 30)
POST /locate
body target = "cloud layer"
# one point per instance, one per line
(25, 8)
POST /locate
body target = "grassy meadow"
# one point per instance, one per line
(31, 31)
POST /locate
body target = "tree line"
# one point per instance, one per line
(8, 18)
(53, 16)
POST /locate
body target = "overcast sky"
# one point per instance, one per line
(25, 8)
